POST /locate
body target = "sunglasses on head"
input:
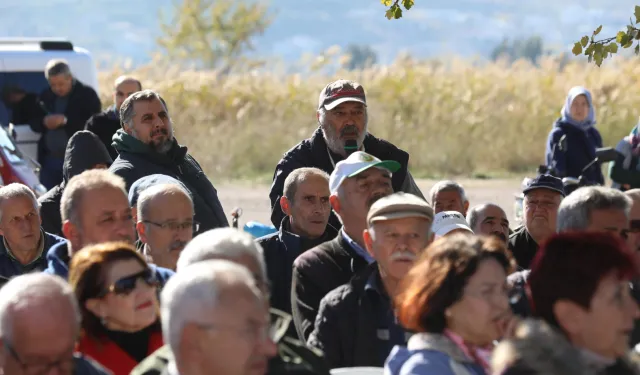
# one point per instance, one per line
(127, 284)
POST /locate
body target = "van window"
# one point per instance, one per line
(31, 82)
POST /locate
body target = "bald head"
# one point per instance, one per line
(489, 219)
(39, 318)
(123, 87)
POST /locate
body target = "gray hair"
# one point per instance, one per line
(92, 179)
(126, 110)
(17, 190)
(447, 185)
(298, 176)
(537, 349)
(229, 243)
(147, 196)
(475, 213)
(575, 210)
(33, 291)
(56, 67)
(190, 295)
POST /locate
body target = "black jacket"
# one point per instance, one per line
(84, 151)
(280, 251)
(346, 329)
(313, 152)
(136, 160)
(317, 272)
(105, 124)
(523, 248)
(83, 103)
(518, 300)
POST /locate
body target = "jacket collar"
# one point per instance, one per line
(124, 142)
(439, 343)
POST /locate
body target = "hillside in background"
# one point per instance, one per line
(114, 29)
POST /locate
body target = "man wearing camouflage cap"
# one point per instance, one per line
(343, 118)
(356, 325)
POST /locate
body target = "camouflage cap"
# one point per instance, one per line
(339, 92)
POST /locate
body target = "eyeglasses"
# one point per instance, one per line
(176, 226)
(64, 364)
(128, 284)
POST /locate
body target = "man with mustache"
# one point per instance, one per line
(356, 325)
(94, 210)
(146, 146)
(343, 117)
(165, 223)
(355, 184)
(490, 220)
(542, 197)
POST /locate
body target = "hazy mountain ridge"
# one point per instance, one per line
(125, 28)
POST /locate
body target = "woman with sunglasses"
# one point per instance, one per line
(116, 291)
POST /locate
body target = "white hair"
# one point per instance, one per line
(33, 291)
(218, 243)
(447, 185)
(16, 190)
(193, 293)
(575, 210)
(147, 196)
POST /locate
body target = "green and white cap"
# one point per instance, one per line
(355, 164)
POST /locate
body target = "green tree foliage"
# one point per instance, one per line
(530, 49)
(359, 57)
(394, 10)
(213, 34)
(599, 49)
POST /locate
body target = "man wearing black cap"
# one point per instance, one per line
(542, 197)
(342, 115)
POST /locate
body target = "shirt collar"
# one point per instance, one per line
(357, 248)
(40, 249)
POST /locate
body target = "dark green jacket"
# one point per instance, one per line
(293, 358)
(137, 160)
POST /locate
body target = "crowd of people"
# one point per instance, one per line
(128, 265)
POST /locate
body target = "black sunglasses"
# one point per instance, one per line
(127, 284)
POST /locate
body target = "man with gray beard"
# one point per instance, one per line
(342, 115)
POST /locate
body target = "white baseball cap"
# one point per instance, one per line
(447, 221)
(355, 164)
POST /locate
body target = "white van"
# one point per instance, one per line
(22, 62)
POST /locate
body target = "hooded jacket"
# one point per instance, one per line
(58, 264)
(105, 124)
(136, 160)
(84, 151)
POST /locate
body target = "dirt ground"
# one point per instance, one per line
(254, 199)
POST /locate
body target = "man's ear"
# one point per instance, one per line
(285, 205)
(335, 203)
(70, 231)
(569, 316)
(465, 206)
(141, 228)
(368, 241)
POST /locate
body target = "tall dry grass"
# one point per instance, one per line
(453, 117)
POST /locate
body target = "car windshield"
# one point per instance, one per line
(30, 82)
(11, 151)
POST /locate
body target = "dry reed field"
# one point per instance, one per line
(455, 118)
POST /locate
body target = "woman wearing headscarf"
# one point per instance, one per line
(577, 122)
(625, 171)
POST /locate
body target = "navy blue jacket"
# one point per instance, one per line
(580, 151)
(280, 251)
(58, 259)
(10, 267)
